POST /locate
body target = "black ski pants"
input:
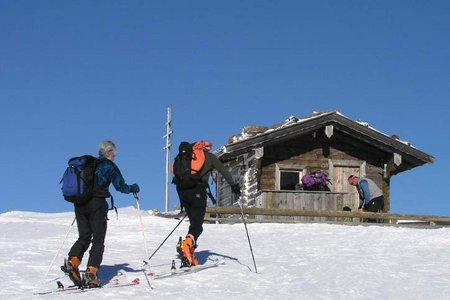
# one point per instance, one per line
(194, 202)
(92, 220)
(374, 205)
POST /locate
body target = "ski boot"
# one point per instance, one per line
(91, 279)
(186, 250)
(180, 252)
(70, 268)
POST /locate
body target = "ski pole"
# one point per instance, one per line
(143, 235)
(140, 220)
(246, 231)
(146, 262)
(60, 247)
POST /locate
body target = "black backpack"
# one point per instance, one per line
(78, 181)
(182, 171)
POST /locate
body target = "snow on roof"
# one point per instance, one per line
(292, 120)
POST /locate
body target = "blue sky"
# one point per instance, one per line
(73, 73)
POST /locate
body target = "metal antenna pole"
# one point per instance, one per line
(167, 148)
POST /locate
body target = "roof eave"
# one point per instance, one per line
(341, 123)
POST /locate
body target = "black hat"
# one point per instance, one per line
(184, 146)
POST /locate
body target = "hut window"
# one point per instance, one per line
(290, 179)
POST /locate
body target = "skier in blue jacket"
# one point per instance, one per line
(92, 218)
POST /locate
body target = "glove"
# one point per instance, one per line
(134, 188)
(236, 189)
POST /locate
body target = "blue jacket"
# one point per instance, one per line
(369, 190)
(106, 173)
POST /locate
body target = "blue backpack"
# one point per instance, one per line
(78, 181)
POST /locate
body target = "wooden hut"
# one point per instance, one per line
(270, 162)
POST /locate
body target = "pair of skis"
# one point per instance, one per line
(184, 270)
(74, 289)
(116, 283)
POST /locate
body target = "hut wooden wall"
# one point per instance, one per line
(316, 151)
(256, 169)
(301, 200)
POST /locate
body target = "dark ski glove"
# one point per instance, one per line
(134, 188)
(236, 189)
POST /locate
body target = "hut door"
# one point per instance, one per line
(340, 184)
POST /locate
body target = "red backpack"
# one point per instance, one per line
(188, 164)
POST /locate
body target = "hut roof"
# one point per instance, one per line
(260, 136)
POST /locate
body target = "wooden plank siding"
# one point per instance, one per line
(336, 158)
(299, 200)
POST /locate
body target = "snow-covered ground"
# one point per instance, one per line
(294, 261)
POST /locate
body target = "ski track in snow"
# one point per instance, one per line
(294, 261)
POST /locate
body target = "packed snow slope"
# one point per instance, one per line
(294, 261)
